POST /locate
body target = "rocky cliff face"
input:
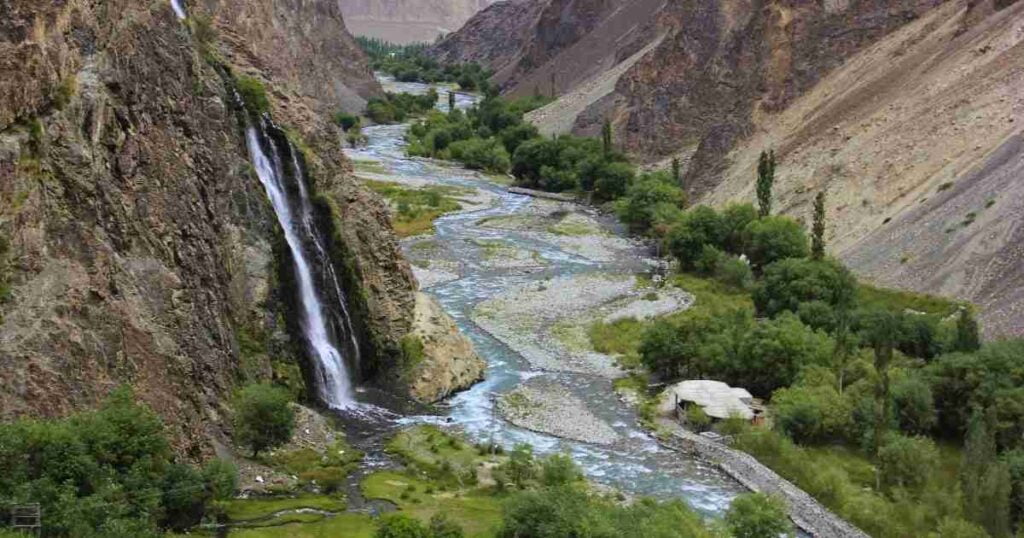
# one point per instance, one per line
(137, 244)
(408, 21)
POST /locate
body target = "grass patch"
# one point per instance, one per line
(416, 209)
(574, 227)
(477, 511)
(621, 337)
(872, 297)
(712, 297)
(240, 510)
(347, 525)
(572, 336)
(499, 179)
(369, 166)
(437, 453)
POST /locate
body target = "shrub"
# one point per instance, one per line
(480, 154)
(400, 526)
(771, 239)
(756, 515)
(811, 414)
(789, 283)
(698, 227)
(253, 94)
(345, 120)
(697, 418)
(559, 470)
(442, 526)
(907, 462)
(913, 405)
(263, 418)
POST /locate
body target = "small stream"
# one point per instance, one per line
(635, 464)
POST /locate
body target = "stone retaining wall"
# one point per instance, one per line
(804, 510)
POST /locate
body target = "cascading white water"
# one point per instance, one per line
(334, 385)
(179, 10)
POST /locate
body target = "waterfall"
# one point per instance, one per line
(333, 384)
(179, 9)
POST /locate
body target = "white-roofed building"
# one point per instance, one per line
(718, 400)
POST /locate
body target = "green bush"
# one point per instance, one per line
(480, 154)
(262, 417)
(107, 472)
(812, 414)
(253, 94)
(789, 283)
(559, 470)
(756, 515)
(907, 462)
(345, 120)
(774, 238)
(697, 419)
(698, 227)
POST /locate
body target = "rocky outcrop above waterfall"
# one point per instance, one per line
(448, 362)
(136, 244)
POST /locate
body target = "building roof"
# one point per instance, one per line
(718, 399)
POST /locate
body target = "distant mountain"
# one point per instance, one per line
(408, 21)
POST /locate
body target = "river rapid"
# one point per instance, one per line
(499, 255)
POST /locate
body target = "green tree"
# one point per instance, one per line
(881, 331)
(1014, 460)
(787, 284)
(818, 230)
(811, 414)
(756, 515)
(606, 137)
(698, 227)
(648, 199)
(771, 239)
(521, 466)
(442, 526)
(967, 334)
(677, 178)
(914, 404)
(559, 470)
(845, 347)
(401, 526)
(451, 101)
(907, 462)
(984, 480)
(734, 221)
(765, 181)
(772, 353)
(263, 417)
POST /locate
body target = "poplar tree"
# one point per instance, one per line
(676, 177)
(984, 480)
(606, 137)
(451, 101)
(765, 180)
(818, 229)
(967, 338)
(882, 329)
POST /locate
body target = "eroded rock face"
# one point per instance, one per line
(140, 247)
(408, 21)
(449, 363)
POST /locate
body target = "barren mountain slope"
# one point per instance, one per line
(918, 142)
(556, 46)
(408, 21)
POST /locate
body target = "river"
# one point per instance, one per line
(462, 252)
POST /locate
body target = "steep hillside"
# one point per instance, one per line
(408, 21)
(883, 103)
(917, 141)
(137, 244)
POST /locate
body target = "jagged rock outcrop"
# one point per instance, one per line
(138, 246)
(448, 362)
(408, 21)
(551, 46)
